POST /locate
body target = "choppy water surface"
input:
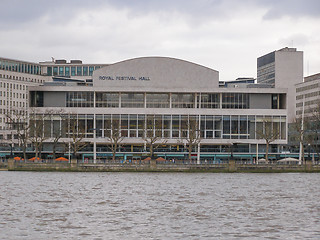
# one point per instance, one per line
(159, 206)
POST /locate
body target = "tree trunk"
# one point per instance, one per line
(151, 151)
(54, 151)
(190, 152)
(114, 150)
(24, 149)
(267, 152)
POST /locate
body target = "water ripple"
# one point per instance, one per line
(159, 206)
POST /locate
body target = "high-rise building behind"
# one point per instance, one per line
(282, 69)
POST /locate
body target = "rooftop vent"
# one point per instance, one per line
(76, 61)
(61, 61)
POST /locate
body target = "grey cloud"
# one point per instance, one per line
(292, 8)
(20, 12)
(218, 8)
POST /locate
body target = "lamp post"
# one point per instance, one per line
(95, 143)
(309, 146)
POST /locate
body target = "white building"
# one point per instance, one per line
(168, 91)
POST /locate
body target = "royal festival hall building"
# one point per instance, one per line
(171, 93)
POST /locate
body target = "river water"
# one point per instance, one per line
(49, 205)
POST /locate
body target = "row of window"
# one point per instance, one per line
(308, 95)
(168, 126)
(12, 103)
(266, 74)
(12, 86)
(21, 67)
(312, 86)
(71, 70)
(14, 95)
(308, 103)
(22, 78)
(158, 100)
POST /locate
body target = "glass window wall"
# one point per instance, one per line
(182, 100)
(158, 100)
(132, 100)
(109, 100)
(209, 100)
(235, 100)
(79, 99)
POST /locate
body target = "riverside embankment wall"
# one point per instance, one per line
(154, 167)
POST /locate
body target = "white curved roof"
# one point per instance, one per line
(156, 72)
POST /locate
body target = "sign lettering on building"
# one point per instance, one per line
(123, 78)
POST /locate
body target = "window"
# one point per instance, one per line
(91, 69)
(79, 71)
(55, 71)
(110, 100)
(85, 71)
(73, 71)
(182, 100)
(67, 69)
(158, 100)
(132, 100)
(49, 71)
(235, 100)
(79, 99)
(209, 100)
(61, 71)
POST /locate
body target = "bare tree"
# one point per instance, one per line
(36, 134)
(313, 130)
(153, 133)
(269, 132)
(190, 134)
(57, 127)
(76, 135)
(18, 122)
(114, 137)
(306, 131)
(298, 133)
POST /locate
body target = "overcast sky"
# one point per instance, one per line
(225, 35)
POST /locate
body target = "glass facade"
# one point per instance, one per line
(80, 99)
(158, 100)
(109, 100)
(21, 67)
(59, 70)
(235, 100)
(209, 100)
(132, 100)
(173, 126)
(182, 100)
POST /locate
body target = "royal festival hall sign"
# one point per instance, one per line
(123, 78)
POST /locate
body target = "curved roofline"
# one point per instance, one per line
(159, 57)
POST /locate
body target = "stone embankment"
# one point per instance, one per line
(153, 166)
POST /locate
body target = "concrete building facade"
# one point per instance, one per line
(170, 93)
(282, 69)
(308, 96)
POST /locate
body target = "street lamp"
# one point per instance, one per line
(95, 143)
(309, 146)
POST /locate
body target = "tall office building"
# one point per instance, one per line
(308, 96)
(282, 69)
